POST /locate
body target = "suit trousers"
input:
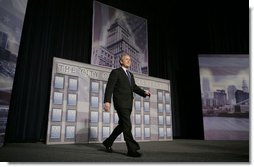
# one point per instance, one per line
(124, 125)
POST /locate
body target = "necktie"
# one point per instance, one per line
(129, 76)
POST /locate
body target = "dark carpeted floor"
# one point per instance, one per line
(173, 151)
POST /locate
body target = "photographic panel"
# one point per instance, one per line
(59, 82)
(56, 115)
(73, 84)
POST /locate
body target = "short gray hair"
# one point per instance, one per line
(122, 56)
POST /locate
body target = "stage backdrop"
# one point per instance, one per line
(12, 14)
(115, 32)
(76, 106)
(224, 83)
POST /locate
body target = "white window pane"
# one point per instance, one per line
(160, 107)
(146, 119)
(105, 132)
(95, 87)
(73, 84)
(104, 87)
(147, 132)
(137, 132)
(70, 132)
(58, 98)
(93, 133)
(55, 132)
(59, 82)
(94, 101)
(169, 132)
(71, 115)
(168, 119)
(168, 108)
(72, 99)
(160, 98)
(167, 97)
(161, 132)
(137, 105)
(146, 106)
(94, 117)
(106, 117)
(56, 114)
(138, 119)
(161, 120)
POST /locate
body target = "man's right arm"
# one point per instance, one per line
(109, 89)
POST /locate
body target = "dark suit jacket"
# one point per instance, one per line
(118, 85)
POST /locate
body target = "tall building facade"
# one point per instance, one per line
(245, 86)
(119, 40)
(103, 57)
(220, 98)
(3, 39)
(231, 94)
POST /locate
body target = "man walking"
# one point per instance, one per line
(121, 84)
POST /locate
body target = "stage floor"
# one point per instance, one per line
(170, 151)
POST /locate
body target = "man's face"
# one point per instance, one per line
(126, 61)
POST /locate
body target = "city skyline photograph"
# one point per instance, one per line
(224, 70)
(224, 83)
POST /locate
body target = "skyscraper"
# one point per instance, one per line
(220, 98)
(119, 40)
(245, 86)
(206, 87)
(3, 39)
(231, 94)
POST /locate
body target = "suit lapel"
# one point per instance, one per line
(124, 75)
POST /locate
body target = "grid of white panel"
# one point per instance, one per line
(64, 109)
(146, 117)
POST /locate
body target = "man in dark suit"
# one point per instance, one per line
(121, 84)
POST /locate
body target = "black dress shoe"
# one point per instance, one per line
(108, 148)
(134, 154)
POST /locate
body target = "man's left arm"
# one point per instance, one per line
(138, 90)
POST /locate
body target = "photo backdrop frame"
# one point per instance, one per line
(116, 32)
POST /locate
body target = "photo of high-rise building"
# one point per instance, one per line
(118, 33)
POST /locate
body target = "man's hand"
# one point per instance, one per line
(107, 106)
(147, 93)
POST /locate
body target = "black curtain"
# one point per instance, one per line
(177, 33)
(58, 28)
